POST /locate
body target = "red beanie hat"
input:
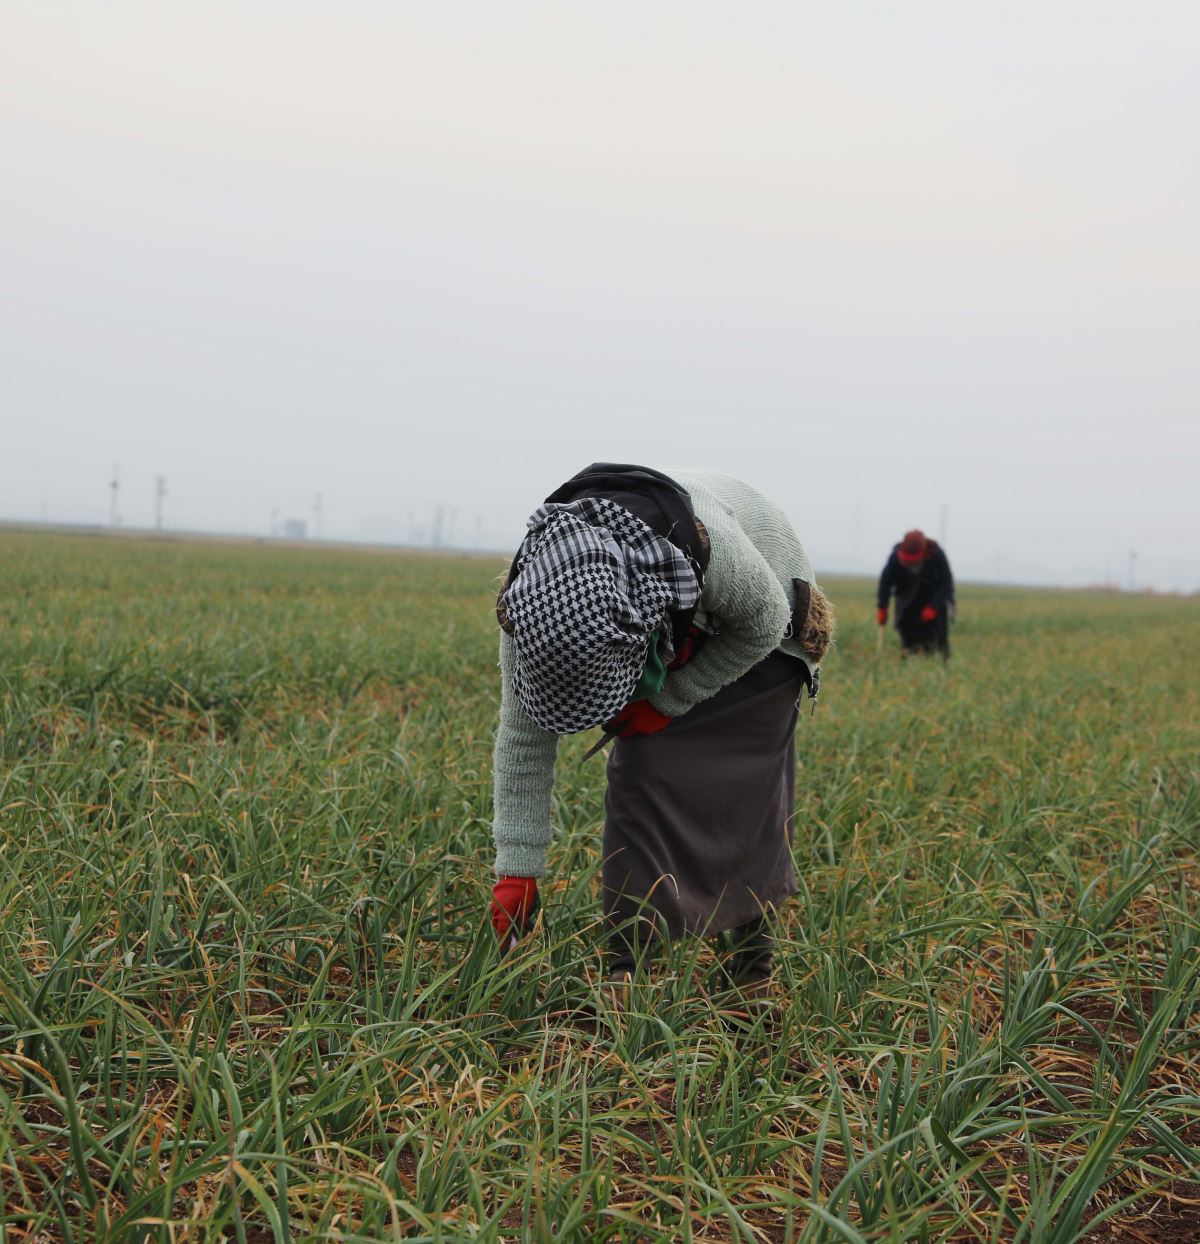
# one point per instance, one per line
(912, 549)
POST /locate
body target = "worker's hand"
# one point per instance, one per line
(881, 616)
(514, 904)
(637, 717)
(928, 613)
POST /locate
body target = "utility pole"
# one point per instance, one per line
(160, 491)
(114, 519)
(1132, 566)
(439, 517)
(317, 517)
(944, 525)
(274, 522)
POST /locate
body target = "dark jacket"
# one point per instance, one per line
(929, 584)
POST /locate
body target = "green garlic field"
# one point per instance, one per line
(248, 990)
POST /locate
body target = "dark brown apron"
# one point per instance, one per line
(698, 818)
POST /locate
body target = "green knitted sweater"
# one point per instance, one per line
(745, 607)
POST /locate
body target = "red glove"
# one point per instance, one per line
(881, 616)
(637, 717)
(514, 905)
(928, 613)
(688, 649)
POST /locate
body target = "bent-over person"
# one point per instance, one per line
(917, 573)
(679, 611)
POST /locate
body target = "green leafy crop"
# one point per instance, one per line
(247, 991)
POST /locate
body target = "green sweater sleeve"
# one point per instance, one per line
(744, 597)
(523, 781)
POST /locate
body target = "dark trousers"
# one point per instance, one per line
(748, 949)
(918, 636)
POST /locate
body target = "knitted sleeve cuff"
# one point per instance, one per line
(519, 859)
(671, 705)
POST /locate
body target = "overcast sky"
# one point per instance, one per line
(930, 264)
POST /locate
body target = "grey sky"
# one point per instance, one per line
(878, 258)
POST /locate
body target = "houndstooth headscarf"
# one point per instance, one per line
(592, 584)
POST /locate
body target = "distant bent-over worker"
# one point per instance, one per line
(919, 574)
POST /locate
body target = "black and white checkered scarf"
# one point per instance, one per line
(592, 584)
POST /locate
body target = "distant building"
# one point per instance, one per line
(294, 529)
